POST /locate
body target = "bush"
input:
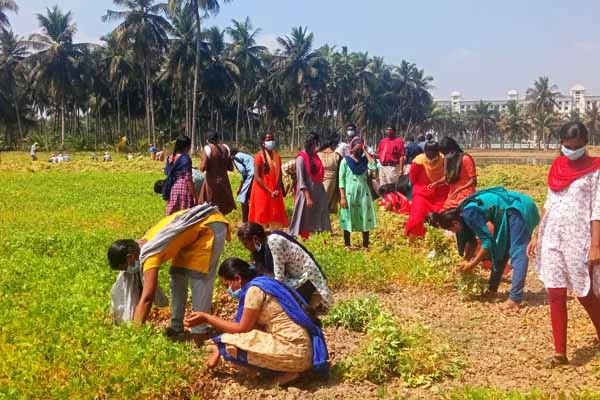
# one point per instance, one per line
(412, 355)
(354, 314)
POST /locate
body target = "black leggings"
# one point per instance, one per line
(365, 236)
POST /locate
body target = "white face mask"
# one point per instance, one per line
(351, 133)
(135, 268)
(573, 154)
(270, 145)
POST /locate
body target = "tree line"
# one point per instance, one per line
(161, 73)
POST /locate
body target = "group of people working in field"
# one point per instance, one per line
(281, 287)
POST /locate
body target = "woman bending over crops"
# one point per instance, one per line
(568, 244)
(460, 174)
(272, 331)
(279, 255)
(514, 217)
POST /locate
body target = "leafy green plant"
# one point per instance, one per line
(354, 314)
(411, 354)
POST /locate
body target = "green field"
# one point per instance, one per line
(56, 336)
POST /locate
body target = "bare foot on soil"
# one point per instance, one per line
(510, 305)
(213, 358)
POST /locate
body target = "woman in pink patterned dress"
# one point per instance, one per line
(179, 186)
(568, 246)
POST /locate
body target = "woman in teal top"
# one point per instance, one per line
(514, 217)
(356, 213)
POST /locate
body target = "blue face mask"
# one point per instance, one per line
(236, 294)
(270, 145)
(135, 268)
(258, 247)
(573, 154)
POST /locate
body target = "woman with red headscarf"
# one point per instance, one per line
(311, 207)
(568, 243)
(426, 169)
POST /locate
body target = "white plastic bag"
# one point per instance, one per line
(125, 295)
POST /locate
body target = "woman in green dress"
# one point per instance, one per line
(357, 213)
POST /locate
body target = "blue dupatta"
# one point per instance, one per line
(291, 302)
(357, 168)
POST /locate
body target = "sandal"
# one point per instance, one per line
(555, 361)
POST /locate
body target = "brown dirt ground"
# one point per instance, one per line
(501, 350)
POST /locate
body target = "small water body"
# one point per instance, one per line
(485, 161)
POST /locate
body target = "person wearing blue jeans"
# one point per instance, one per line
(513, 215)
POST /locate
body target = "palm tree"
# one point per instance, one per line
(513, 123)
(13, 50)
(208, 7)
(7, 5)
(220, 74)
(542, 100)
(145, 31)
(58, 60)
(295, 66)
(248, 57)
(592, 120)
(182, 55)
(482, 120)
(117, 64)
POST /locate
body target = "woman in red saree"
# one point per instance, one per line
(266, 197)
(426, 169)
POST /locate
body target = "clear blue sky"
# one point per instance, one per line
(482, 48)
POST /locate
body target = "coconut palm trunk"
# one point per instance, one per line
(195, 6)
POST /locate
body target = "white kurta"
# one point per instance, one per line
(565, 235)
(294, 267)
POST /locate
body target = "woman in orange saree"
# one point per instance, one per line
(266, 198)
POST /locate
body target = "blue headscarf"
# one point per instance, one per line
(291, 302)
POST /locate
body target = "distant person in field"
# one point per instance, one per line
(106, 157)
(193, 241)
(271, 331)
(331, 164)
(311, 205)
(153, 150)
(391, 156)
(244, 163)
(426, 169)
(266, 198)
(179, 188)
(357, 213)
(33, 152)
(460, 174)
(567, 247)
(411, 150)
(513, 215)
(281, 256)
(215, 163)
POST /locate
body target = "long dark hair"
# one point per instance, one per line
(449, 145)
(248, 230)
(445, 219)
(312, 139)
(182, 143)
(235, 266)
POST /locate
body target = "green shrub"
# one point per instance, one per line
(354, 314)
(412, 354)
(485, 393)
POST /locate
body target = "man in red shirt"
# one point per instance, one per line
(391, 156)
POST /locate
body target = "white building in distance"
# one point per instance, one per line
(577, 100)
